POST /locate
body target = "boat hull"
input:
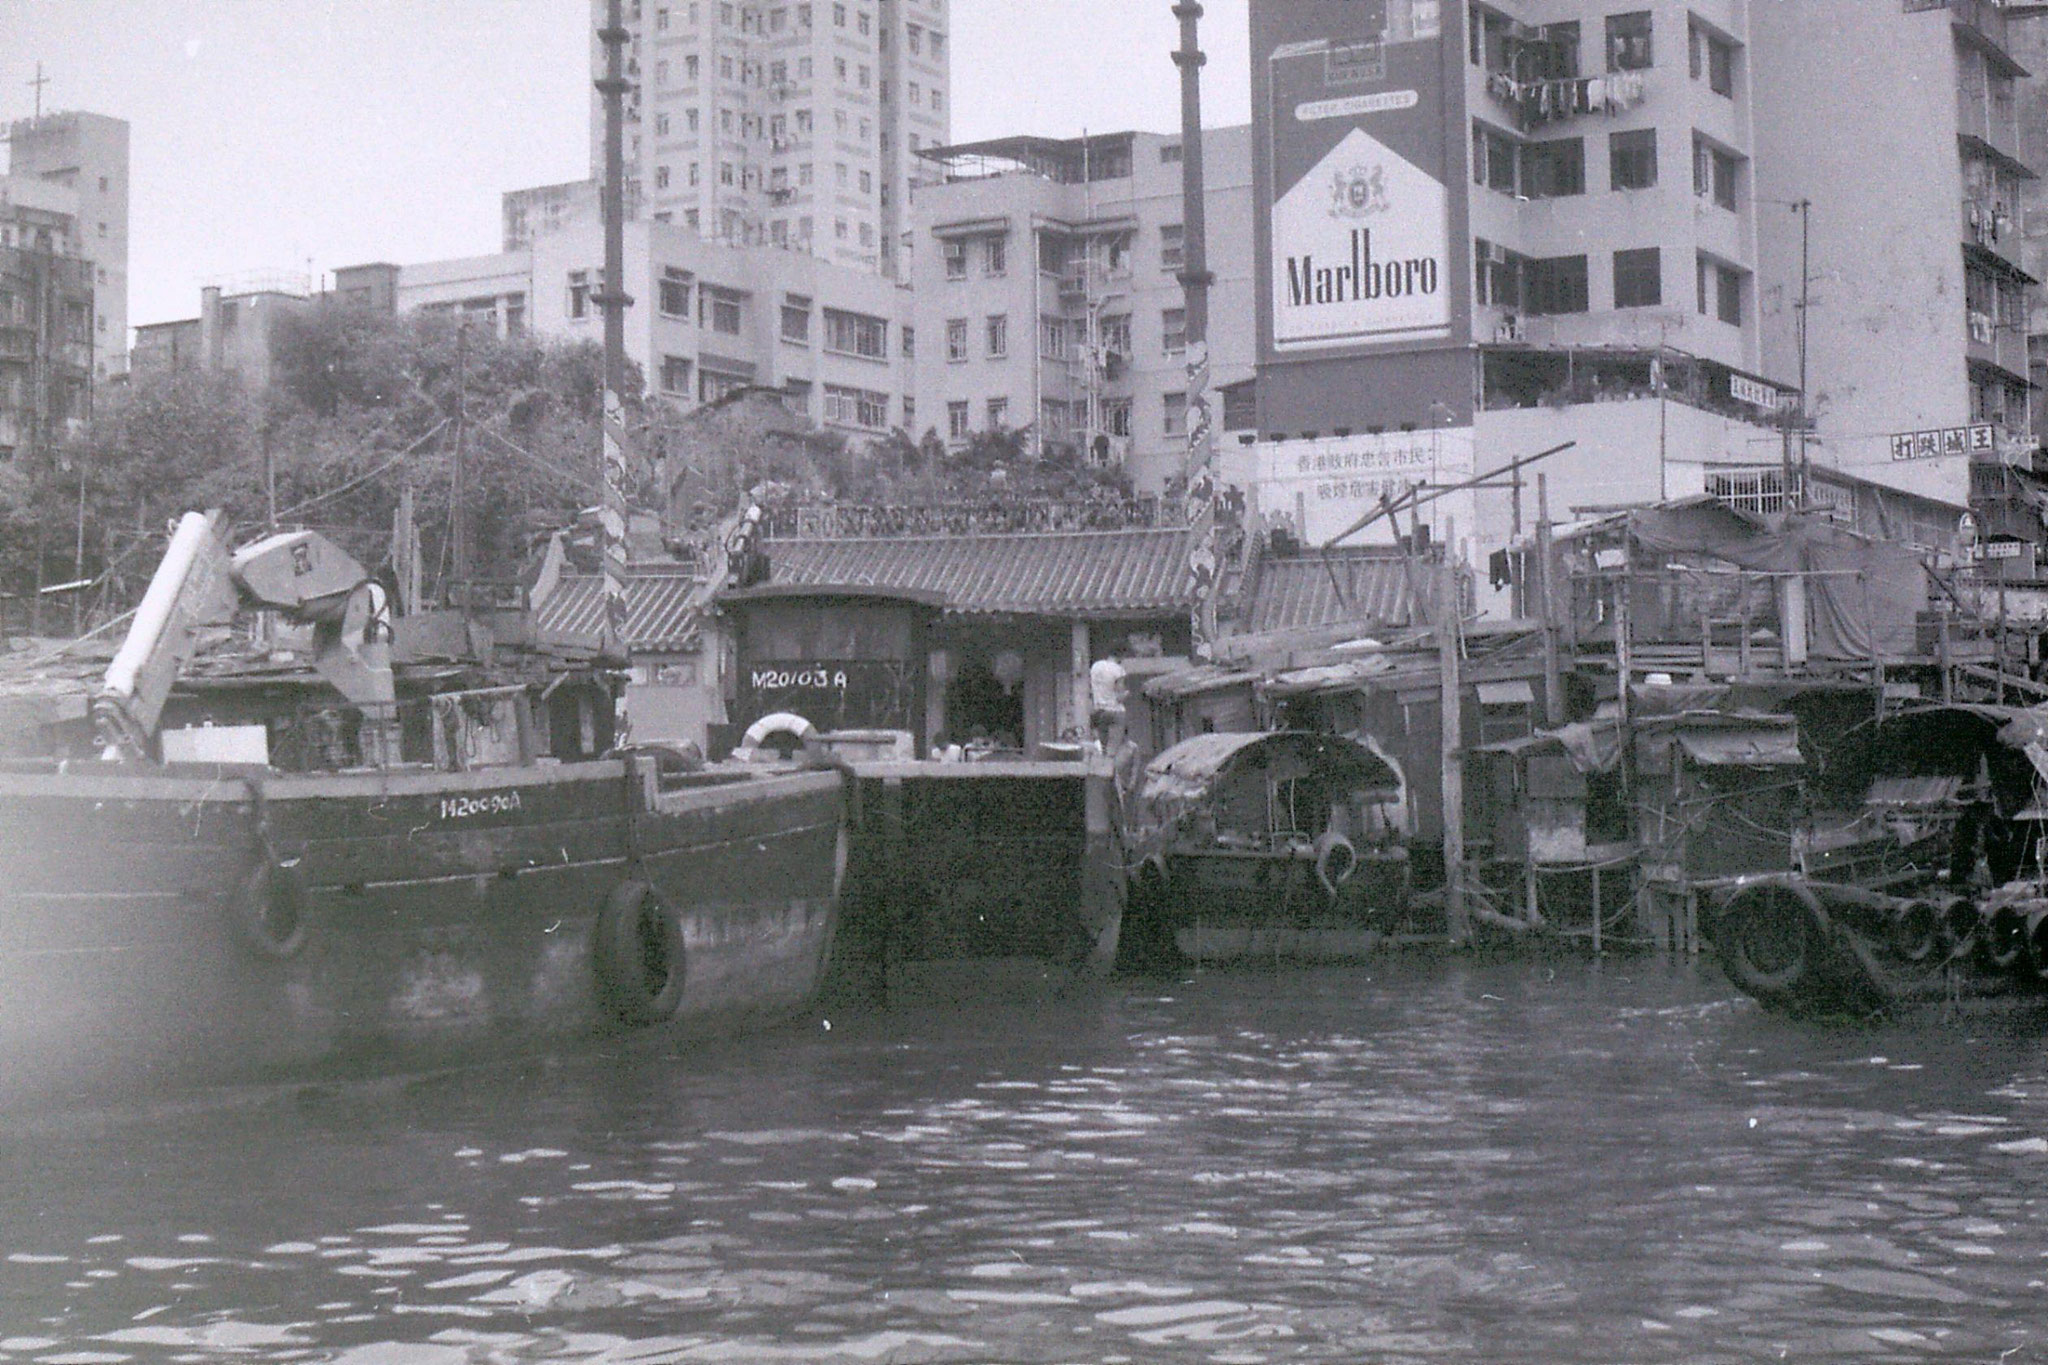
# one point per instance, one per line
(1220, 906)
(427, 917)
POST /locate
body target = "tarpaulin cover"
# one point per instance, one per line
(1200, 770)
(1863, 596)
(1741, 748)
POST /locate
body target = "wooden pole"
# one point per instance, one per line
(1553, 684)
(1451, 730)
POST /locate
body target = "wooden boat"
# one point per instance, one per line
(1261, 846)
(378, 861)
(1932, 891)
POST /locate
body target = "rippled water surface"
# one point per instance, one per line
(1424, 1161)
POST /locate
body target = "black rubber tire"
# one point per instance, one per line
(269, 909)
(637, 952)
(2005, 939)
(1913, 931)
(1768, 940)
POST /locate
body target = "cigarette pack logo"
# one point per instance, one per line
(1359, 192)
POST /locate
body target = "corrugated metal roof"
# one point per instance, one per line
(1333, 587)
(658, 614)
(1066, 573)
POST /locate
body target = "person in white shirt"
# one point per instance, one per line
(1106, 700)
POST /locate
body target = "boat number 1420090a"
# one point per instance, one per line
(461, 807)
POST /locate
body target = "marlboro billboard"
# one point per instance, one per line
(1360, 247)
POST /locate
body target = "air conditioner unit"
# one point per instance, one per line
(1510, 329)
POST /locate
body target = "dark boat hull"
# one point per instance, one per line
(431, 916)
(1220, 906)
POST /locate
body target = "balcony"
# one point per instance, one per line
(1980, 26)
(1535, 103)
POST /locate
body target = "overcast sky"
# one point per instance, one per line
(302, 135)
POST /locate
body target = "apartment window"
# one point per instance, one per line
(867, 182)
(1714, 172)
(1114, 332)
(803, 73)
(1173, 330)
(661, 125)
(725, 176)
(725, 15)
(856, 407)
(675, 292)
(994, 254)
(856, 334)
(1555, 285)
(661, 20)
(998, 413)
(1172, 246)
(796, 318)
(839, 16)
(839, 228)
(1720, 291)
(1497, 274)
(1628, 41)
(579, 294)
(689, 69)
(956, 338)
(1116, 416)
(914, 92)
(958, 423)
(1638, 278)
(725, 67)
(1169, 153)
(1173, 414)
(997, 326)
(675, 374)
(909, 413)
(909, 340)
(693, 118)
(839, 67)
(863, 23)
(864, 76)
(725, 121)
(1493, 158)
(1712, 59)
(661, 177)
(725, 309)
(660, 73)
(867, 234)
(914, 37)
(938, 45)
(1632, 159)
(1552, 170)
(694, 173)
(777, 20)
(938, 96)
(1052, 337)
(841, 173)
(803, 16)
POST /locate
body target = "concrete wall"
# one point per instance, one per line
(1856, 111)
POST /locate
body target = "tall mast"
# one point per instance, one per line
(1194, 280)
(614, 300)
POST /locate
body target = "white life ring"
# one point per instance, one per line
(775, 722)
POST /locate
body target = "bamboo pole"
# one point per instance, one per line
(1450, 730)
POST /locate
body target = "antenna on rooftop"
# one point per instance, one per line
(39, 82)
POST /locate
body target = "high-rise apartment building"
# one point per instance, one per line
(1483, 230)
(1890, 164)
(1046, 277)
(85, 156)
(774, 122)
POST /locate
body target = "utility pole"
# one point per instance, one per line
(614, 300)
(1451, 732)
(1802, 207)
(39, 82)
(1553, 683)
(1204, 565)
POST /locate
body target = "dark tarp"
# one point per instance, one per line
(1863, 596)
(1718, 748)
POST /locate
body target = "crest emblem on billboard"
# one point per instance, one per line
(1359, 192)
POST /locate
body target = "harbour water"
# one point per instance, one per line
(1421, 1161)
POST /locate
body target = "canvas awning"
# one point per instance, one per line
(1760, 748)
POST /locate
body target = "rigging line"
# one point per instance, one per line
(365, 478)
(540, 462)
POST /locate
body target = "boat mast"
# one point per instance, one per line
(613, 299)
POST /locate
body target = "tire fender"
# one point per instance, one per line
(269, 907)
(637, 956)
